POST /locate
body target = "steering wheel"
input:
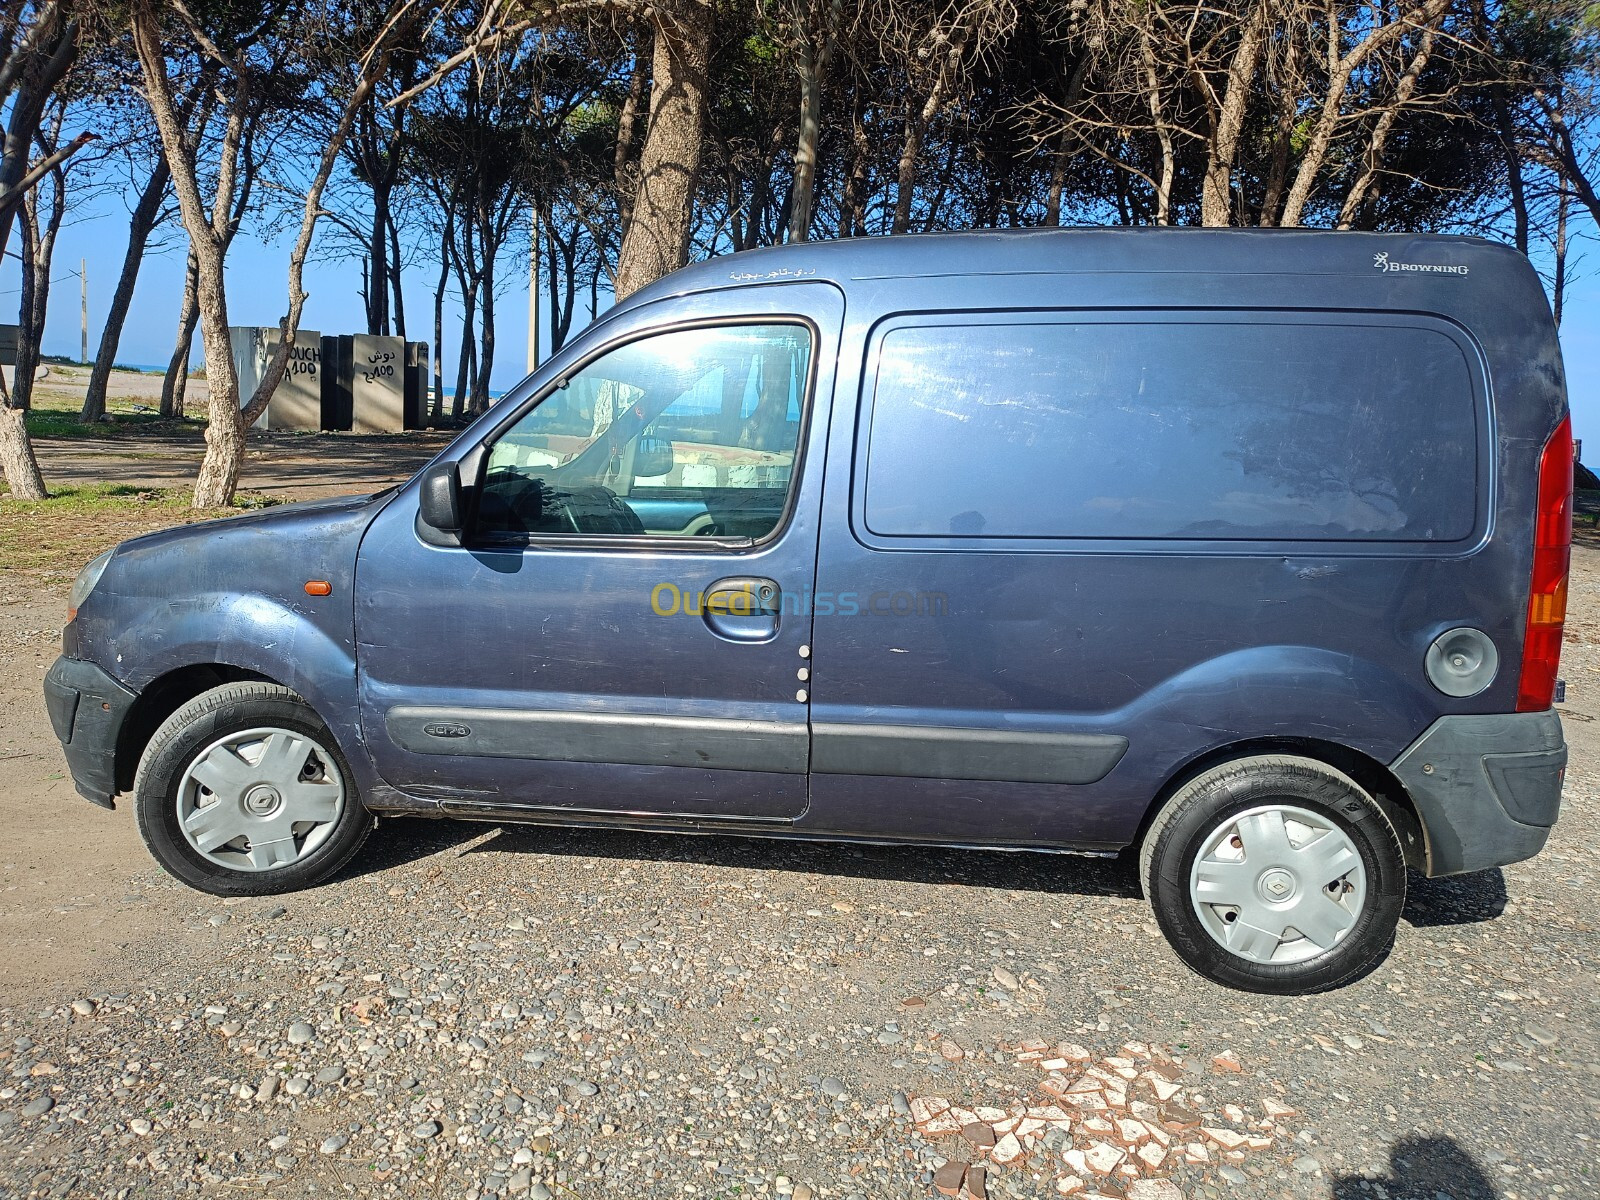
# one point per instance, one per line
(592, 509)
(512, 502)
(518, 503)
(555, 501)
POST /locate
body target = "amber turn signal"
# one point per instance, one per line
(318, 587)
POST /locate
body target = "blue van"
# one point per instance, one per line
(1243, 551)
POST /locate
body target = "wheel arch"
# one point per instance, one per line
(162, 697)
(1373, 776)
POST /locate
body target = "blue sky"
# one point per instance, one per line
(258, 286)
(257, 295)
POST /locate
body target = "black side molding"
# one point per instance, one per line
(942, 752)
(633, 739)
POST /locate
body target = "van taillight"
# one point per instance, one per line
(1552, 553)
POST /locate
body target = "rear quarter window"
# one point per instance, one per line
(1263, 427)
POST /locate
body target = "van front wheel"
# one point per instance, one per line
(1275, 874)
(243, 792)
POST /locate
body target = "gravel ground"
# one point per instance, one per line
(475, 1011)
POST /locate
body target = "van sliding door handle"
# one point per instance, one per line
(743, 608)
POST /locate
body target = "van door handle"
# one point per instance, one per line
(743, 608)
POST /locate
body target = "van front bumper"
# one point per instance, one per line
(87, 708)
(1487, 787)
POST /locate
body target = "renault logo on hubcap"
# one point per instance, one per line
(1277, 884)
(263, 799)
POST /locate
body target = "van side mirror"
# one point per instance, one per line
(441, 499)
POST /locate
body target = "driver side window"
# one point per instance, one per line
(688, 432)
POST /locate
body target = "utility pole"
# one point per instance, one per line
(83, 281)
(533, 296)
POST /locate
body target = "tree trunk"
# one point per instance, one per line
(852, 205)
(813, 61)
(16, 455)
(931, 221)
(38, 252)
(1376, 144)
(657, 241)
(378, 256)
(48, 48)
(1558, 287)
(621, 167)
(1571, 170)
(910, 150)
(480, 383)
(176, 381)
(225, 430)
(436, 417)
(1058, 177)
(468, 355)
(394, 277)
(1339, 72)
(1282, 131)
(733, 183)
(225, 433)
(1511, 155)
(29, 327)
(761, 195)
(1163, 130)
(1216, 192)
(1058, 161)
(140, 224)
(561, 254)
(289, 325)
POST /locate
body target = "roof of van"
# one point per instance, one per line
(1038, 250)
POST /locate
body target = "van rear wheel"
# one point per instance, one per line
(1275, 874)
(243, 792)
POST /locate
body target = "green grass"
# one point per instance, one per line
(54, 422)
(54, 410)
(91, 497)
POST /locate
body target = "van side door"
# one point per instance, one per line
(619, 631)
(1069, 551)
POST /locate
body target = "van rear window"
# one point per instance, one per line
(1270, 429)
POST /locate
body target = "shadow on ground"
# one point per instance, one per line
(1422, 1168)
(1455, 899)
(398, 841)
(1430, 903)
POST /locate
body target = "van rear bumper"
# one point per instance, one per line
(87, 708)
(1487, 787)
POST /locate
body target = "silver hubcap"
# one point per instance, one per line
(260, 799)
(1278, 884)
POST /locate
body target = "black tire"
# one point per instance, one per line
(1193, 814)
(233, 708)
